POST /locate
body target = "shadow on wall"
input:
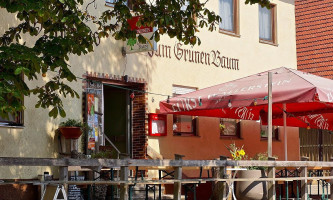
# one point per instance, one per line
(15, 192)
(209, 145)
(292, 2)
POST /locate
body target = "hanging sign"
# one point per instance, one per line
(133, 45)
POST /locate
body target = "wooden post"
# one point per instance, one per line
(219, 187)
(177, 192)
(124, 177)
(63, 175)
(271, 184)
(269, 142)
(331, 181)
(304, 183)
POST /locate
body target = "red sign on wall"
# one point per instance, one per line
(143, 29)
(157, 124)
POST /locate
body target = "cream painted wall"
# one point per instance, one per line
(253, 56)
(37, 138)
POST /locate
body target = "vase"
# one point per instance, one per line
(251, 190)
(71, 132)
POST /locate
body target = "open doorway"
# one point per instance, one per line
(117, 118)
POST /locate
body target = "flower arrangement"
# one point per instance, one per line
(222, 127)
(237, 153)
(261, 157)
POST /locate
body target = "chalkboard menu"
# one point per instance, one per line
(75, 193)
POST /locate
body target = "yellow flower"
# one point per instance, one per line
(242, 152)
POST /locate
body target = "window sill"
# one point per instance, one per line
(265, 139)
(229, 33)
(12, 126)
(230, 137)
(268, 42)
(186, 135)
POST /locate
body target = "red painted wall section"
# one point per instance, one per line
(209, 145)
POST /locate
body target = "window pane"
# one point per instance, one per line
(12, 121)
(182, 124)
(265, 23)
(264, 132)
(158, 126)
(227, 14)
(184, 7)
(110, 1)
(228, 127)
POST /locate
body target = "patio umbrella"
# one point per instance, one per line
(305, 98)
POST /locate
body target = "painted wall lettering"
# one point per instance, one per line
(181, 53)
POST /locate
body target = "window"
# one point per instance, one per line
(112, 2)
(229, 128)
(228, 10)
(13, 120)
(183, 125)
(267, 24)
(264, 132)
(184, 7)
(109, 2)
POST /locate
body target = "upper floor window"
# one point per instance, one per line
(267, 24)
(128, 3)
(184, 7)
(109, 2)
(183, 125)
(228, 10)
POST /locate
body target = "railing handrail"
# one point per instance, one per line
(60, 162)
(113, 145)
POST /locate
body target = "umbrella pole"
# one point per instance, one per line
(269, 143)
(285, 132)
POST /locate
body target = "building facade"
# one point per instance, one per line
(250, 40)
(314, 34)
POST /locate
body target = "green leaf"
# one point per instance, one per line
(54, 112)
(18, 71)
(64, 19)
(62, 112)
(141, 39)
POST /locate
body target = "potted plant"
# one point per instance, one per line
(250, 189)
(72, 129)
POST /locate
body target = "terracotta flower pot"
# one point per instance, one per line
(251, 190)
(71, 132)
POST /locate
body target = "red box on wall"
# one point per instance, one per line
(157, 124)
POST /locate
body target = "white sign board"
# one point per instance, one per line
(133, 45)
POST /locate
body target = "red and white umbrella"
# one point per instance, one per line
(308, 99)
(298, 99)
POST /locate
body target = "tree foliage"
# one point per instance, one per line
(60, 28)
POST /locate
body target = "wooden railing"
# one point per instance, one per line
(177, 165)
